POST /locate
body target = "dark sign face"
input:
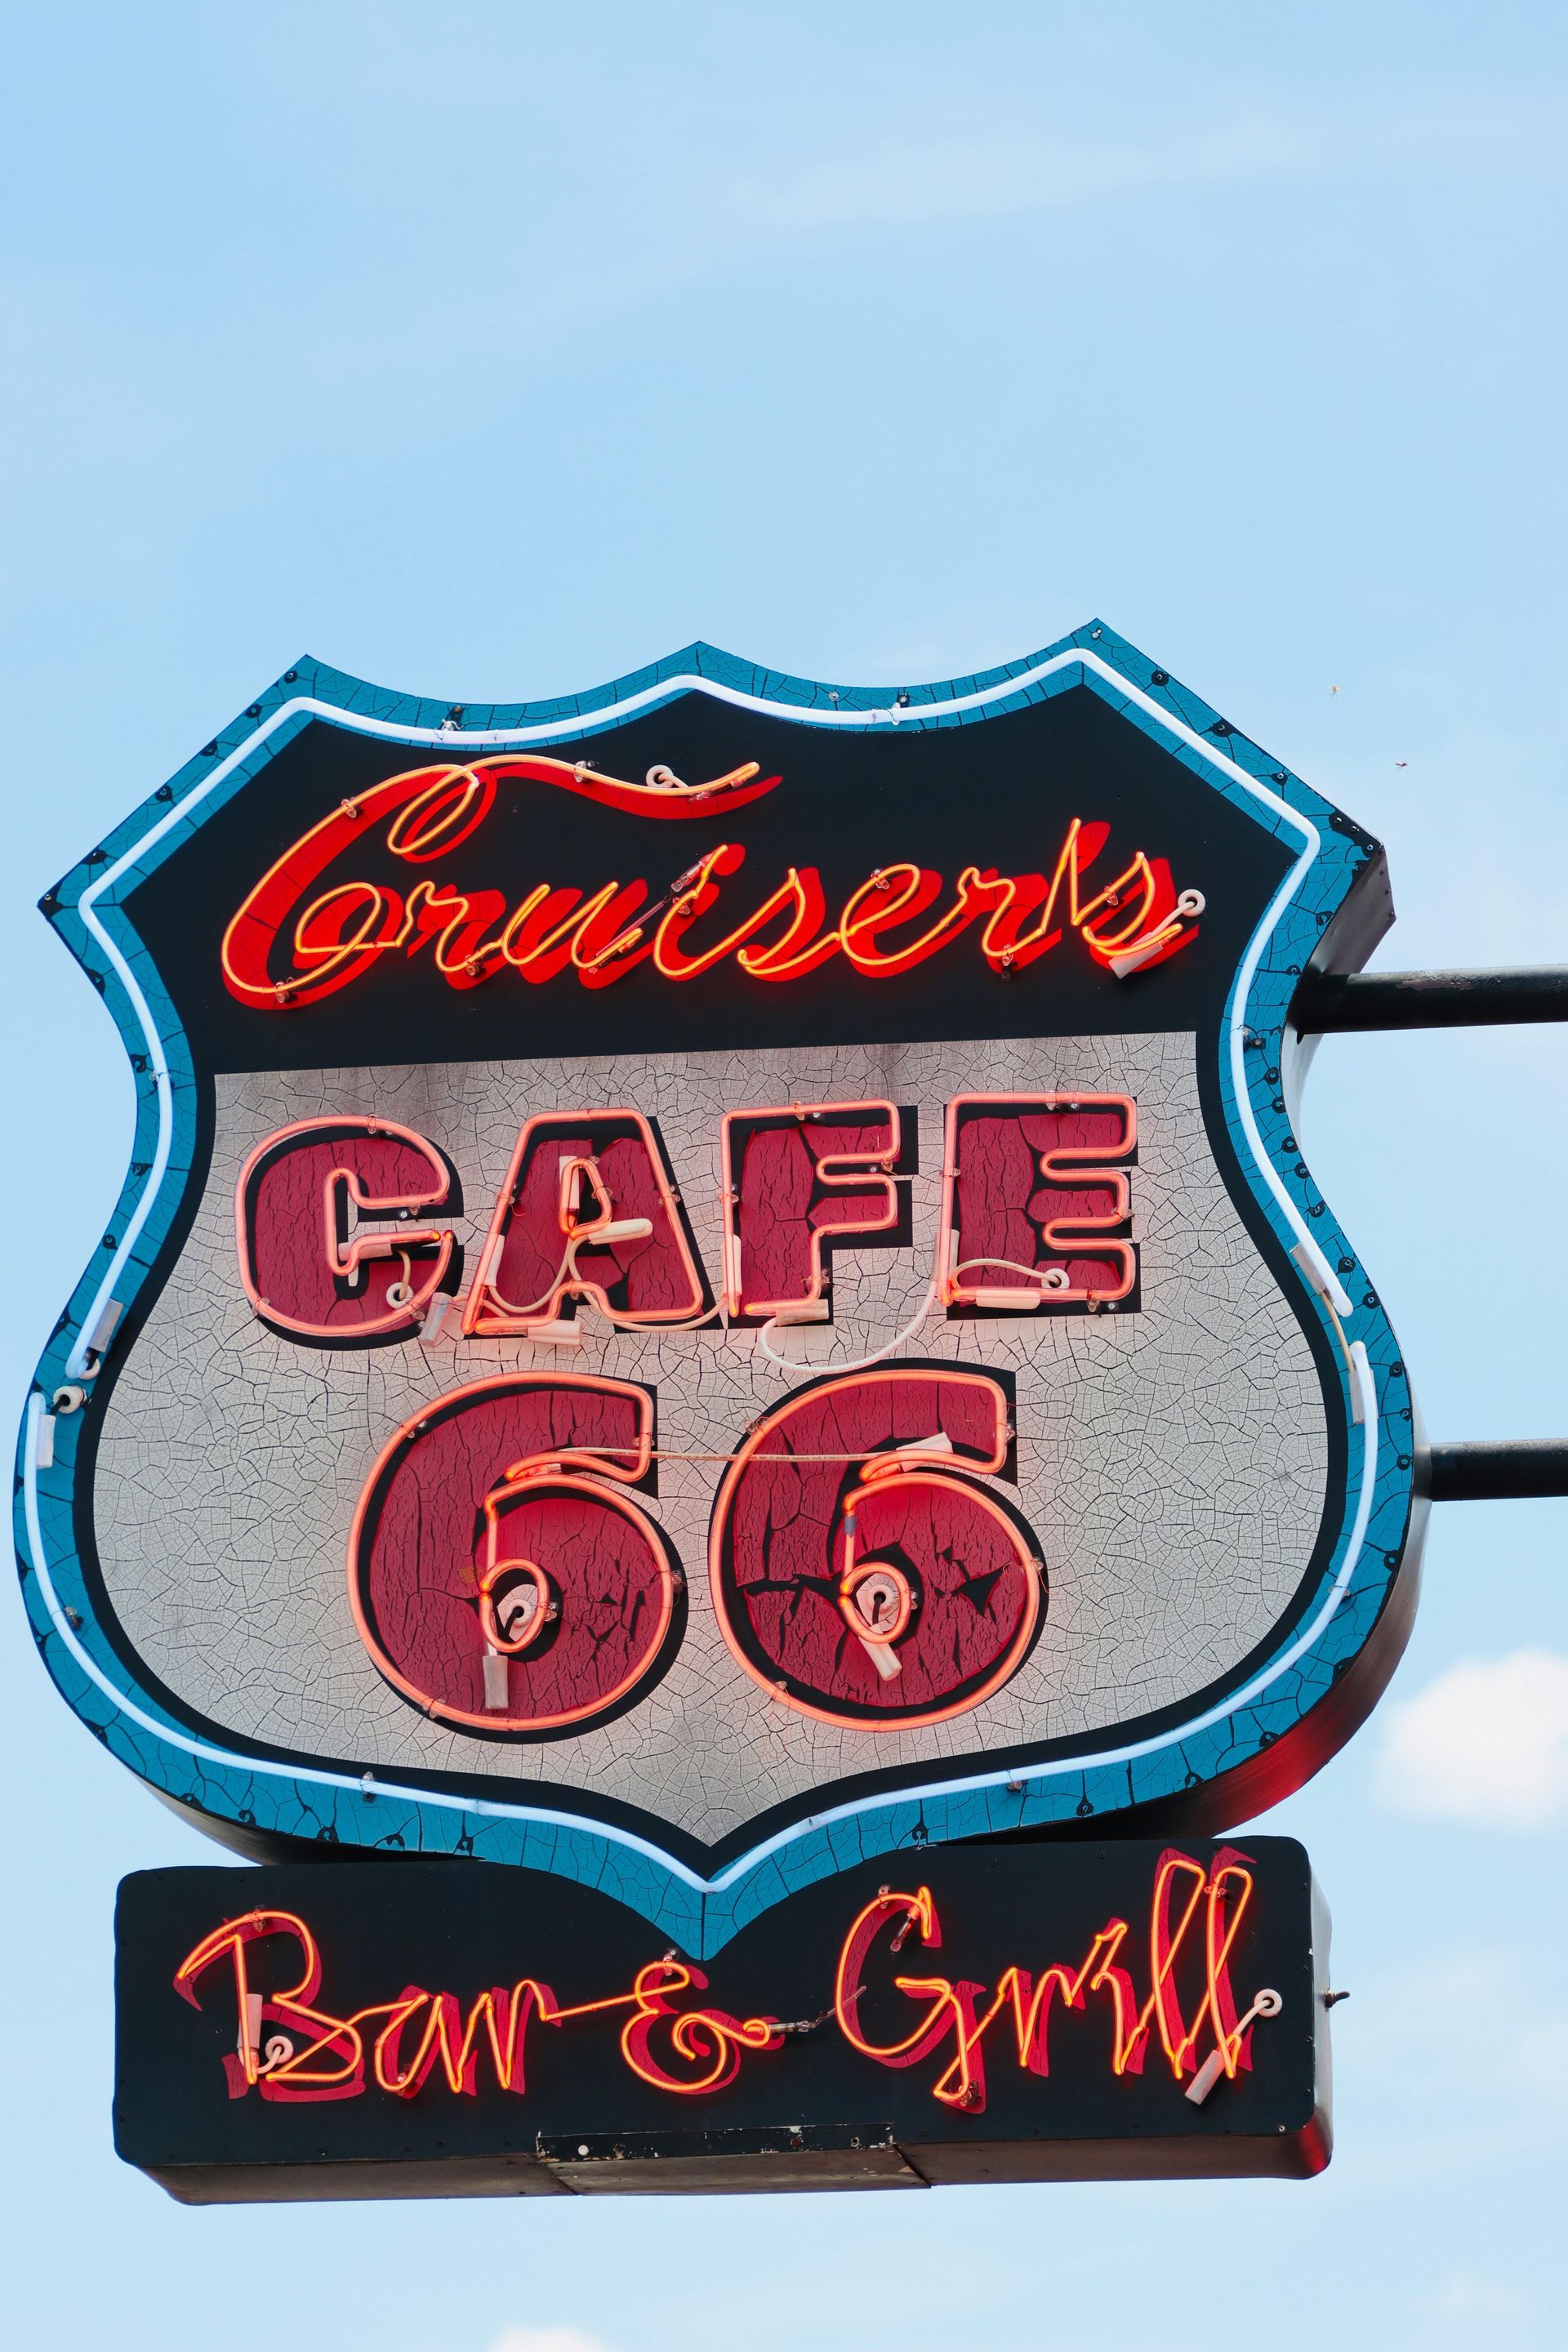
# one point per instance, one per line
(1060, 2012)
(719, 1278)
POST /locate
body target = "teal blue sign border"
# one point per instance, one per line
(1210, 1770)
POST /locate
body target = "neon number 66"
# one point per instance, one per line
(504, 1575)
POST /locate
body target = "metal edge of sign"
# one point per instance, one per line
(1379, 1532)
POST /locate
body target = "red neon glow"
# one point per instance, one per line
(794, 1539)
(287, 2047)
(705, 2046)
(426, 812)
(796, 1181)
(899, 893)
(306, 1266)
(957, 2016)
(577, 1181)
(709, 2039)
(565, 1600)
(1023, 925)
(300, 935)
(502, 2016)
(1031, 1209)
(284, 2072)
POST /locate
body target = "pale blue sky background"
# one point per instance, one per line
(492, 351)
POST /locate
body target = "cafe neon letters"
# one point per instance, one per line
(591, 1212)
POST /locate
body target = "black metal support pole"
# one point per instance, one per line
(1499, 1473)
(1338, 1001)
(1328, 1002)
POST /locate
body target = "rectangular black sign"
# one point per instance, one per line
(1118, 2009)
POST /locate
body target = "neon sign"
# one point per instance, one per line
(884, 1586)
(588, 1210)
(1215, 1895)
(289, 2049)
(1133, 922)
(1036, 1174)
(500, 1574)
(329, 2060)
(305, 1268)
(978, 1421)
(590, 1215)
(796, 1182)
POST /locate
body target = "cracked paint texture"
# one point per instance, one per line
(1172, 1461)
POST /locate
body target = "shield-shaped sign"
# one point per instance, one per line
(718, 1279)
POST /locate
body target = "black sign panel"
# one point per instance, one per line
(847, 807)
(984, 2013)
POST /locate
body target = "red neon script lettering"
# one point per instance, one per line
(1195, 1915)
(426, 812)
(300, 935)
(704, 2052)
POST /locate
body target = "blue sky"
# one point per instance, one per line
(490, 352)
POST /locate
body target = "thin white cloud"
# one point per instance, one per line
(546, 2340)
(1486, 1742)
(1522, 2057)
(913, 180)
(949, 160)
(1465, 2294)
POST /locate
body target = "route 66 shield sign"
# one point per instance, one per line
(717, 1280)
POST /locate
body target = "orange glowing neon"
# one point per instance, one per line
(876, 1596)
(696, 893)
(1023, 927)
(489, 1312)
(517, 1601)
(954, 2013)
(709, 2037)
(502, 2016)
(426, 812)
(345, 1252)
(863, 1170)
(421, 2037)
(336, 931)
(798, 949)
(544, 937)
(803, 945)
(709, 2042)
(887, 899)
(457, 921)
(282, 2072)
(969, 1275)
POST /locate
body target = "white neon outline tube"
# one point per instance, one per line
(664, 690)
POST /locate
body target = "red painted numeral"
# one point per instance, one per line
(500, 1574)
(860, 1570)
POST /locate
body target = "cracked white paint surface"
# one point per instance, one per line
(1172, 1461)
